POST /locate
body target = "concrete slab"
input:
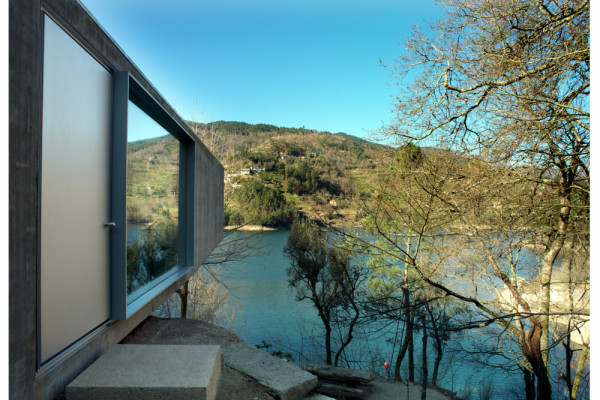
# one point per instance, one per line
(318, 396)
(152, 371)
(289, 381)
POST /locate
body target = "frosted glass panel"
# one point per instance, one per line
(76, 129)
(152, 201)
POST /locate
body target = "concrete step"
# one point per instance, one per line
(150, 371)
(289, 381)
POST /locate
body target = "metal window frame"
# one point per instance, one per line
(126, 88)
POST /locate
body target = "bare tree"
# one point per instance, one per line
(505, 87)
(406, 220)
(322, 271)
(205, 299)
(478, 227)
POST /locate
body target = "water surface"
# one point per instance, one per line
(267, 310)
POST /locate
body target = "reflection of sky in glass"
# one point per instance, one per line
(140, 126)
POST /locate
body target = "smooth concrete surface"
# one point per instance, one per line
(289, 381)
(137, 371)
(27, 378)
(25, 97)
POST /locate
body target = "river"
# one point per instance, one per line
(266, 310)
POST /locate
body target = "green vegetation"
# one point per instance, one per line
(447, 204)
(153, 253)
(152, 179)
(152, 199)
(502, 90)
(256, 204)
(245, 129)
(268, 347)
(507, 86)
(320, 172)
(294, 171)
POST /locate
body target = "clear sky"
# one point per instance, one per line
(311, 63)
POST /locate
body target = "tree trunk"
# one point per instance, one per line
(349, 336)
(411, 353)
(438, 361)
(327, 343)
(183, 296)
(424, 364)
(439, 345)
(529, 384)
(533, 352)
(566, 376)
(553, 247)
(401, 354)
(573, 385)
(407, 343)
(582, 359)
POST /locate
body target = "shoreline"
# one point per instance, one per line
(248, 228)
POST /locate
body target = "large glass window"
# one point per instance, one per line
(152, 200)
(152, 197)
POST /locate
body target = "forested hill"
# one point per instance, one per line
(272, 172)
(245, 129)
(256, 134)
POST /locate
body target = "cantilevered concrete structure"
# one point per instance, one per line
(71, 94)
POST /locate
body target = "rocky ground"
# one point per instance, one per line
(235, 385)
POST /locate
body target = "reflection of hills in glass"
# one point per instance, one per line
(152, 204)
(153, 252)
(152, 179)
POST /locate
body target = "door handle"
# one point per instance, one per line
(109, 224)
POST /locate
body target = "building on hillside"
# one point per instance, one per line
(250, 171)
(72, 91)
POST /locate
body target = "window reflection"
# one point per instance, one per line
(152, 200)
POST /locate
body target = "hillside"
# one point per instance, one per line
(319, 174)
(152, 184)
(271, 173)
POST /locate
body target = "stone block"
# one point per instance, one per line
(288, 380)
(152, 371)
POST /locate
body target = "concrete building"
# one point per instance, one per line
(73, 94)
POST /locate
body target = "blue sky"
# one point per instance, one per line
(283, 62)
(140, 126)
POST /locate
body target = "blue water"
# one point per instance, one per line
(132, 231)
(266, 310)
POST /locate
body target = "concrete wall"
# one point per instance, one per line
(26, 379)
(208, 203)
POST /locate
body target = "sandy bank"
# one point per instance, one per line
(248, 228)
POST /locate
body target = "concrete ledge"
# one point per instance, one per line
(130, 371)
(289, 381)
